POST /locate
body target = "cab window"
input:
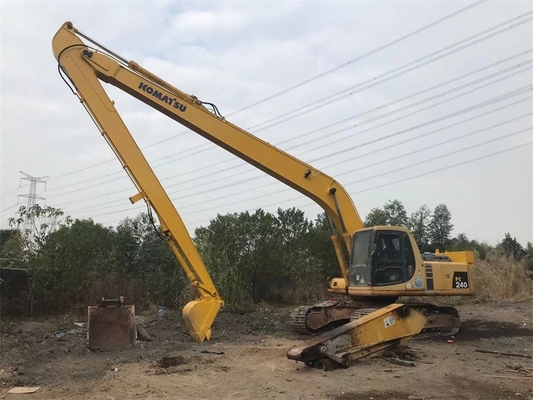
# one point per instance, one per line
(393, 258)
(360, 265)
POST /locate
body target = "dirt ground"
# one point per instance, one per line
(254, 365)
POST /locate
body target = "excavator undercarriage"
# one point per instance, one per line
(331, 314)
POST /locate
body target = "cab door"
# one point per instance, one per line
(393, 258)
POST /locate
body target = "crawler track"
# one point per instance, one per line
(321, 317)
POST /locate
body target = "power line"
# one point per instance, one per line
(405, 179)
(405, 167)
(506, 96)
(388, 159)
(444, 128)
(350, 171)
(471, 160)
(358, 58)
(329, 155)
(7, 209)
(8, 193)
(417, 103)
(248, 190)
(373, 82)
(432, 159)
(91, 186)
(398, 133)
(203, 147)
(378, 150)
(96, 178)
(82, 169)
(330, 134)
(447, 167)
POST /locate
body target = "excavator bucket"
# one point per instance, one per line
(199, 315)
(374, 332)
(111, 325)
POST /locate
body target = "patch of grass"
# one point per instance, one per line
(501, 278)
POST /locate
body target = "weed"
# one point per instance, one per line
(501, 278)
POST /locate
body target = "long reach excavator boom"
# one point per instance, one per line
(383, 262)
(85, 66)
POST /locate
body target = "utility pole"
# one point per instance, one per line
(32, 195)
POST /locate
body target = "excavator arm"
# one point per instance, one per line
(85, 66)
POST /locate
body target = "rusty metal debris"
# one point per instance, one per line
(111, 325)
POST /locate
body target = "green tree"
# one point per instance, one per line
(440, 227)
(376, 217)
(129, 235)
(265, 257)
(419, 226)
(529, 257)
(12, 253)
(242, 252)
(393, 213)
(222, 247)
(294, 230)
(512, 248)
(142, 254)
(36, 223)
(396, 214)
(75, 266)
(268, 271)
(321, 249)
(461, 242)
(7, 234)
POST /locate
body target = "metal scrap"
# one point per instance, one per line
(499, 353)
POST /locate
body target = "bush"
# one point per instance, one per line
(502, 278)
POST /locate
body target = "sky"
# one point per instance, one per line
(426, 102)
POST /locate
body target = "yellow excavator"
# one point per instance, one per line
(382, 263)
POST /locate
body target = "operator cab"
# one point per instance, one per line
(381, 257)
